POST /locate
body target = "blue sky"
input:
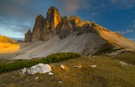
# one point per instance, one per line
(17, 16)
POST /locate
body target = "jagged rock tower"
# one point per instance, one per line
(28, 36)
(44, 28)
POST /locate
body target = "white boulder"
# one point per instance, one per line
(93, 66)
(62, 66)
(50, 73)
(76, 66)
(39, 68)
(36, 78)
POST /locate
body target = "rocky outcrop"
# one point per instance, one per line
(86, 22)
(44, 29)
(37, 33)
(66, 28)
(54, 24)
(75, 20)
(28, 36)
(47, 32)
(53, 17)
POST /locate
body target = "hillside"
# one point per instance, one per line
(7, 45)
(95, 71)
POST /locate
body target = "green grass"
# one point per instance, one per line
(128, 58)
(52, 58)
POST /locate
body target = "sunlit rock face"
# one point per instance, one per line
(37, 33)
(53, 17)
(77, 20)
(88, 27)
(86, 22)
(28, 36)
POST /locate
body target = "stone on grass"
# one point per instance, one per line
(39, 68)
(50, 73)
(125, 64)
(60, 81)
(62, 66)
(93, 66)
(36, 78)
(77, 66)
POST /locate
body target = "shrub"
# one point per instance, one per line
(52, 58)
(57, 57)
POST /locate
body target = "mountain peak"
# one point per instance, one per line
(53, 16)
(28, 36)
(77, 20)
(53, 8)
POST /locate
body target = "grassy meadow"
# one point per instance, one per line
(109, 72)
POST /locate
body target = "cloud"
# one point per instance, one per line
(17, 16)
(69, 7)
(13, 28)
(127, 31)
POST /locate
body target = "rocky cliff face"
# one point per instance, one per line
(52, 25)
(47, 32)
(44, 29)
(75, 19)
(66, 28)
(53, 17)
(37, 33)
(28, 36)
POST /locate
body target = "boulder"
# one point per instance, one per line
(39, 68)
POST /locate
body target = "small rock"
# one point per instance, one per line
(93, 60)
(36, 78)
(62, 66)
(24, 71)
(27, 80)
(125, 64)
(50, 73)
(77, 66)
(60, 81)
(93, 66)
(12, 77)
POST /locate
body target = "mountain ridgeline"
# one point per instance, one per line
(63, 34)
(54, 24)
